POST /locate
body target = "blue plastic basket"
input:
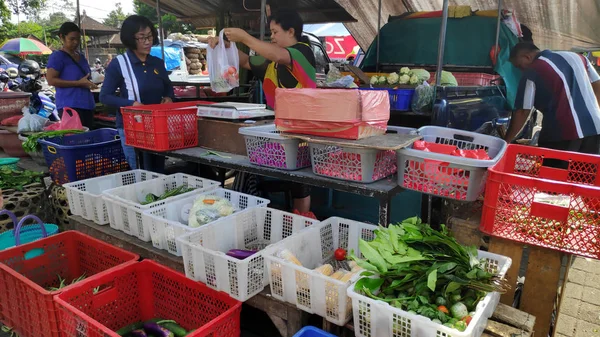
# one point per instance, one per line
(85, 155)
(21, 235)
(400, 99)
(310, 331)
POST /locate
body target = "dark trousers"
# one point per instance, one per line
(86, 116)
(590, 145)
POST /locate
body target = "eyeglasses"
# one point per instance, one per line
(143, 39)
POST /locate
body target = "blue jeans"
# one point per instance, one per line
(151, 162)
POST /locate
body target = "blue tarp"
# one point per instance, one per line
(172, 56)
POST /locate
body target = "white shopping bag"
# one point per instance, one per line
(223, 66)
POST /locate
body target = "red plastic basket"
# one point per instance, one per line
(27, 271)
(161, 127)
(515, 209)
(142, 291)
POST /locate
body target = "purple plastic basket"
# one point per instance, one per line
(85, 155)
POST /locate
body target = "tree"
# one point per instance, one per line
(169, 21)
(27, 8)
(116, 17)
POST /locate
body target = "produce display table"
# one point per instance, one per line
(383, 190)
(506, 321)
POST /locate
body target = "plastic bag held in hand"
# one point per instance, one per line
(69, 121)
(223, 66)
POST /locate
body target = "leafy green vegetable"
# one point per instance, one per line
(150, 197)
(16, 179)
(32, 145)
(416, 269)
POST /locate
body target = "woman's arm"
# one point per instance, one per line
(53, 78)
(244, 60)
(112, 82)
(268, 50)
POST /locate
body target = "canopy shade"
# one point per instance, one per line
(22, 46)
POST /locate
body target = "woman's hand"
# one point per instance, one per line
(236, 34)
(166, 100)
(214, 41)
(85, 82)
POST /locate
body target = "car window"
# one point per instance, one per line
(11, 58)
(320, 59)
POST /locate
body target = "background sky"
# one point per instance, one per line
(96, 9)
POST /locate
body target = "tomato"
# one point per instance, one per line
(340, 254)
(467, 319)
(443, 309)
(232, 70)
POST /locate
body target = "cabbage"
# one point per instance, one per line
(382, 80)
(374, 80)
(404, 70)
(414, 79)
(404, 79)
(422, 74)
(448, 79)
(393, 78)
(208, 208)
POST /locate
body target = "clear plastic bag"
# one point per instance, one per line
(223, 66)
(423, 98)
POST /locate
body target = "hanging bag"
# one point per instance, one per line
(223, 66)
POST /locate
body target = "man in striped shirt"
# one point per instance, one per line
(565, 87)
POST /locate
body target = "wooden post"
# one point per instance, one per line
(514, 251)
(541, 286)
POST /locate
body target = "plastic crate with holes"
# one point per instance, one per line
(245, 235)
(266, 147)
(143, 291)
(161, 127)
(373, 318)
(127, 203)
(170, 220)
(85, 155)
(309, 289)
(30, 275)
(355, 164)
(446, 175)
(85, 196)
(546, 198)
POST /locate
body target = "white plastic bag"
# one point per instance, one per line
(31, 123)
(223, 66)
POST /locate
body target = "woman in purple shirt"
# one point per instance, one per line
(69, 72)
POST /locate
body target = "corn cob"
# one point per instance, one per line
(289, 257)
(338, 274)
(325, 269)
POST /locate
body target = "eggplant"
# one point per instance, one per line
(157, 330)
(240, 254)
(138, 333)
(139, 325)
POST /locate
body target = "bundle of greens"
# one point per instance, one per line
(426, 272)
(32, 145)
(13, 179)
(151, 197)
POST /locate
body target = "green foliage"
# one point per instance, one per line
(115, 17)
(170, 22)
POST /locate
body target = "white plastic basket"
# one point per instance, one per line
(204, 251)
(125, 203)
(85, 196)
(170, 220)
(266, 147)
(446, 175)
(374, 318)
(309, 290)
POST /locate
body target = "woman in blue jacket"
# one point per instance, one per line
(141, 79)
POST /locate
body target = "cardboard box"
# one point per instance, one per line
(220, 135)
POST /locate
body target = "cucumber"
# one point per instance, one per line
(176, 329)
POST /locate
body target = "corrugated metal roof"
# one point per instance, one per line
(555, 24)
(204, 13)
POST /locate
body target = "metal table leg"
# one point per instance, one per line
(385, 208)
